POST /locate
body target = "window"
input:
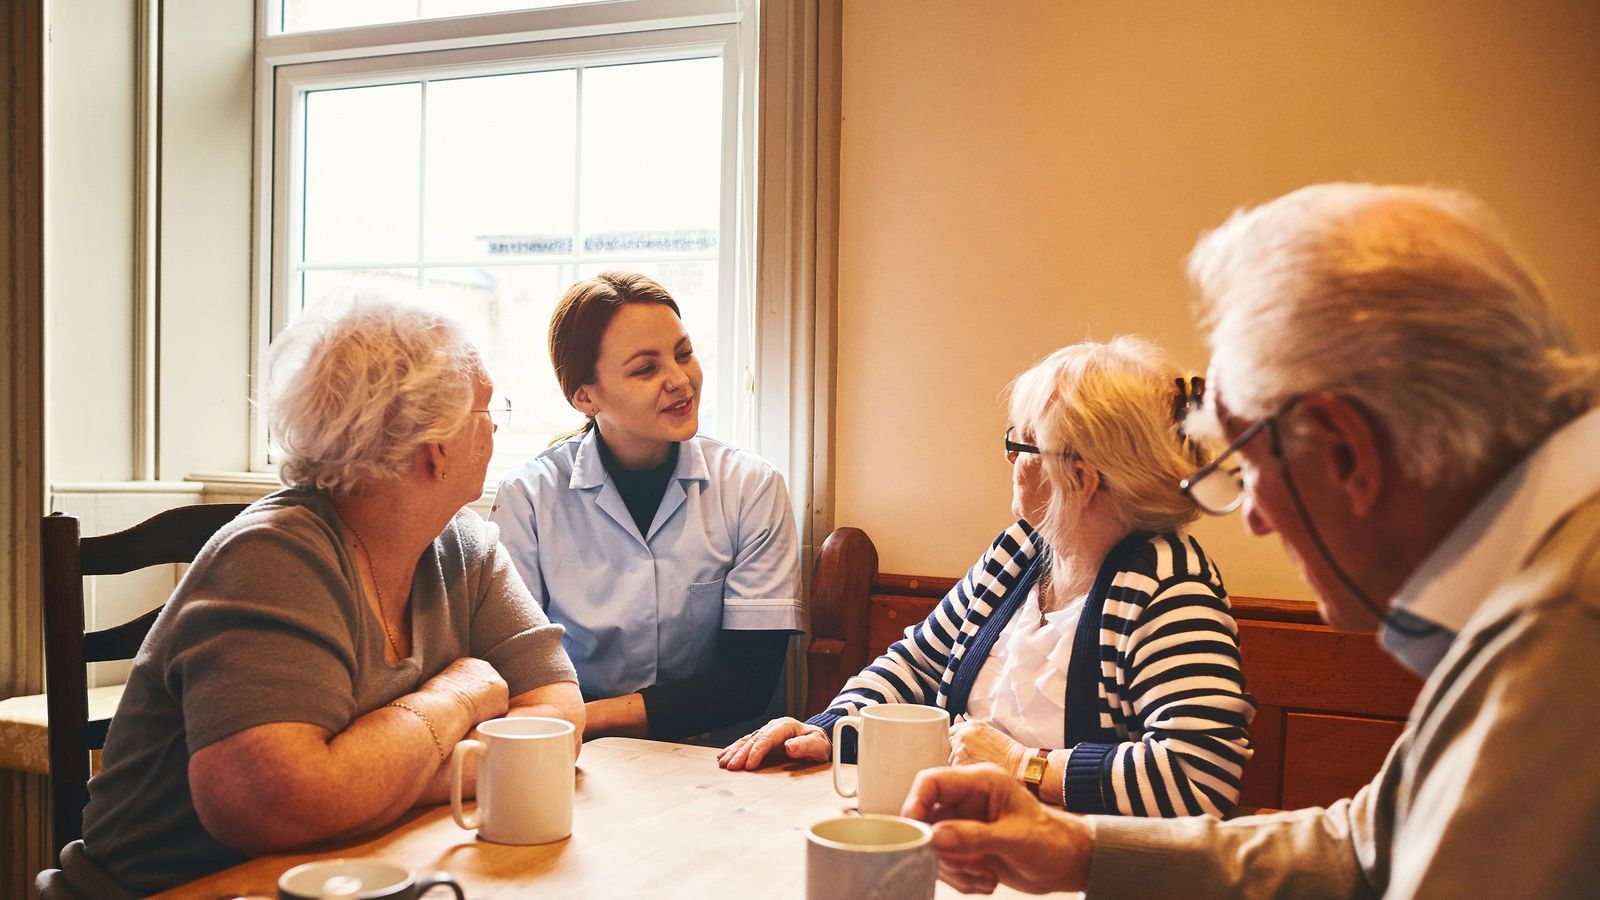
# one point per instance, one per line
(483, 180)
(315, 15)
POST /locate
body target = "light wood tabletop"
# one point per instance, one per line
(649, 820)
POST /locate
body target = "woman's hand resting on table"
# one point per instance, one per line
(797, 739)
(976, 741)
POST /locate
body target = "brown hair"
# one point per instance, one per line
(581, 319)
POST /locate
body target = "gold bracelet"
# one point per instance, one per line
(437, 744)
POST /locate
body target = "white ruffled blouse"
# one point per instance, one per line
(1022, 687)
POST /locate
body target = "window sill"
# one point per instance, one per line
(248, 487)
(25, 728)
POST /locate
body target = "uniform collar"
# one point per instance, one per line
(589, 470)
(1492, 543)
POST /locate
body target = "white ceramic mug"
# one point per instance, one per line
(876, 857)
(526, 778)
(897, 740)
(364, 879)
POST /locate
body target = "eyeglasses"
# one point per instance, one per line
(1016, 448)
(1218, 487)
(1219, 491)
(499, 411)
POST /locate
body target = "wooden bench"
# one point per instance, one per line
(1330, 702)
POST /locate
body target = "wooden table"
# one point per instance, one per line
(650, 820)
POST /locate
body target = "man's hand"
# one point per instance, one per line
(987, 830)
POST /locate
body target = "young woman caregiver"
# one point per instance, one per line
(670, 557)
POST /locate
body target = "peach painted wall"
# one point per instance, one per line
(1020, 175)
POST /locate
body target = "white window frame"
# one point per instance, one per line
(613, 32)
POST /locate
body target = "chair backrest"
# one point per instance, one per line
(174, 536)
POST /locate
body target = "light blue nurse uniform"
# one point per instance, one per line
(643, 609)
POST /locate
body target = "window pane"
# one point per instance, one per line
(652, 145)
(317, 285)
(361, 167)
(506, 310)
(433, 9)
(314, 15)
(500, 175)
(484, 195)
(694, 286)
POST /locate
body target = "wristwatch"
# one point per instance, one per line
(1033, 770)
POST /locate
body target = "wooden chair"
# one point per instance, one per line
(174, 536)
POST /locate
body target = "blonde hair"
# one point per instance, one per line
(354, 389)
(1112, 405)
(1410, 301)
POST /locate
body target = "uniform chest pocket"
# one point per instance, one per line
(705, 610)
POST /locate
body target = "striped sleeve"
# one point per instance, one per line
(1174, 639)
(916, 667)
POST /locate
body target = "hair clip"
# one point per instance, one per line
(1188, 398)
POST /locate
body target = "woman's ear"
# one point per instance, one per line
(584, 401)
(432, 459)
(1088, 479)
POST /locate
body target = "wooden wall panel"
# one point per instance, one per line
(1263, 774)
(891, 616)
(1326, 758)
(1313, 667)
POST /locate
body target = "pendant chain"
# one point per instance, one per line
(383, 611)
(1044, 594)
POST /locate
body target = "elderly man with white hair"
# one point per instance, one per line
(1404, 409)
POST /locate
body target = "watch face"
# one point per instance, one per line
(1034, 773)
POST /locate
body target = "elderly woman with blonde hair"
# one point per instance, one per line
(328, 647)
(1090, 650)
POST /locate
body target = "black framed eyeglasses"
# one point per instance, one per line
(1218, 487)
(1015, 448)
(499, 411)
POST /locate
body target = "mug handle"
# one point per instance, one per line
(838, 729)
(425, 885)
(459, 755)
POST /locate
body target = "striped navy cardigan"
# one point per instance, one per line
(1156, 711)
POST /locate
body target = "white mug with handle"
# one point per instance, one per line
(896, 741)
(526, 778)
(362, 879)
(870, 858)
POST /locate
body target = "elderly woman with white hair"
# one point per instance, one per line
(311, 672)
(1090, 650)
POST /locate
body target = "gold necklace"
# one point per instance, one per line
(383, 611)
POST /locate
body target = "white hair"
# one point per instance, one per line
(1112, 405)
(1409, 301)
(354, 389)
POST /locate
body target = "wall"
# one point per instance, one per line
(89, 240)
(1033, 174)
(203, 277)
